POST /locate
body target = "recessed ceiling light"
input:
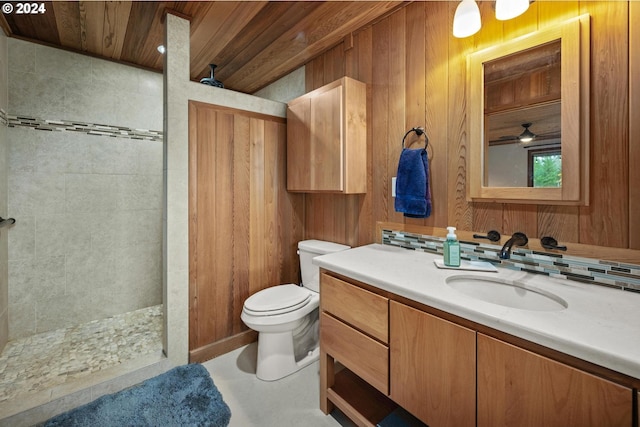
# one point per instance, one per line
(162, 49)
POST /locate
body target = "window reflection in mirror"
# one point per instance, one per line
(522, 114)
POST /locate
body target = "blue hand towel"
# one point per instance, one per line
(413, 197)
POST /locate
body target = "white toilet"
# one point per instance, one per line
(286, 317)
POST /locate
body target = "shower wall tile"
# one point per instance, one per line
(90, 193)
(113, 75)
(58, 154)
(133, 192)
(134, 227)
(22, 56)
(56, 235)
(150, 84)
(150, 160)
(62, 312)
(36, 279)
(87, 198)
(138, 271)
(22, 320)
(64, 65)
(118, 156)
(89, 270)
(26, 87)
(22, 153)
(93, 106)
(22, 239)
(4, 156)
(32, 193)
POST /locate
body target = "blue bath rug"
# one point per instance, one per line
(183, 396)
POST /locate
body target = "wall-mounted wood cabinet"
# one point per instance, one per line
(326, 139)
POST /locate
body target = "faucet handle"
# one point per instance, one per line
(549, 242)
(492, 235)
(519, 238)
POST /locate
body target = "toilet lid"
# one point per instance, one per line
(277, 300)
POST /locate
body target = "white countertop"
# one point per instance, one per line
(600, 325)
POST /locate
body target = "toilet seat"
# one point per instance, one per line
(277, 300)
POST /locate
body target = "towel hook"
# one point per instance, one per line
(419, 131)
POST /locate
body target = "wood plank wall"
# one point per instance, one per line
(416, 72)
(243, 224)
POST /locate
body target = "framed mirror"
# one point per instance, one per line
(529, 118)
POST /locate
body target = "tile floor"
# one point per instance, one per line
(31, 366)
(291, 401)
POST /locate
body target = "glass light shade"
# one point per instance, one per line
(466, 21)
(526, 135)
(508, 9)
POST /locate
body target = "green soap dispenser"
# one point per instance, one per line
(451, 248)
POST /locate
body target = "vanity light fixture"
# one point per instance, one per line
(508, 9)
(466, 21)
(162, 49)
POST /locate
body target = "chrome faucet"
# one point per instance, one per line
(518, 239)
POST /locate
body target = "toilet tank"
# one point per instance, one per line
(309, 249)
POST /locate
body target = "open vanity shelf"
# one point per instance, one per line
(358, 400)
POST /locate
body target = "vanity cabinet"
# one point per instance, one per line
(433, 367)
(354, 351)
(326, 139)
(379, 351)
(518, 387)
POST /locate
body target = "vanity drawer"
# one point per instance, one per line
(364, 356)
(358, 307)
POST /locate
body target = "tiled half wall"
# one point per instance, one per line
(605, 273)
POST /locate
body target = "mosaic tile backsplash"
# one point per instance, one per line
(605, 273)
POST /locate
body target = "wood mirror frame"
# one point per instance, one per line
(574, 36)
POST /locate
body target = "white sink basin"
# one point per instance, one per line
(509, 293)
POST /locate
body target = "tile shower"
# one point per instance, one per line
(85, 164)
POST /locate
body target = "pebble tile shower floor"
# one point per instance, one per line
(42, 361)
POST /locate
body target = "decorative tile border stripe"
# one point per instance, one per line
(598, 272)
(88, 128)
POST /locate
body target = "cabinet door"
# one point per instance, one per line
(298, 145)
(326, 151)
(433, 367)
(315, 155)
(520, 388)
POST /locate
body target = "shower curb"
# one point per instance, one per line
(35, 410)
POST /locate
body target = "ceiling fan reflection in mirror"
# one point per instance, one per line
(528, 138)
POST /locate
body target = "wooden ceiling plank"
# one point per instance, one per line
(282, 44)
(266, 27)
(45, 24)
(68, 23)
(322, 29)
(38, 26)
(91, 26)
(148, 52)
(141, 20)
(207, 35)
(254, 43)
(116, 18)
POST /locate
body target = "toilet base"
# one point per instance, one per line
(276, 356)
